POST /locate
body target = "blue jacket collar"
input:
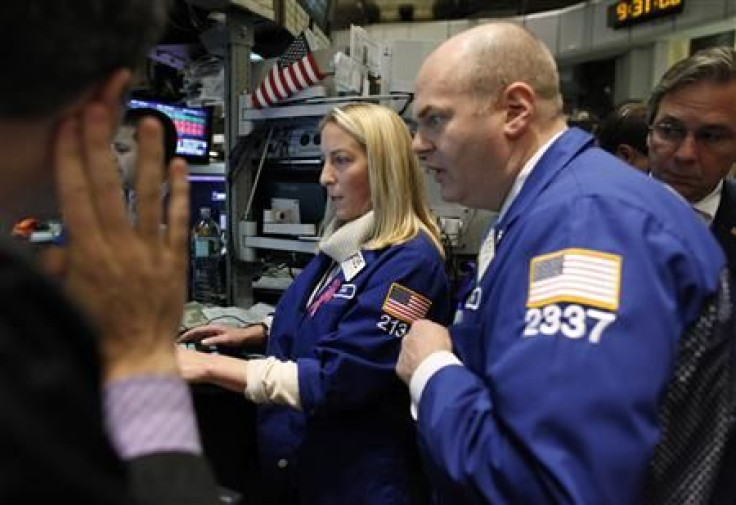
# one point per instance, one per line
(557, 157)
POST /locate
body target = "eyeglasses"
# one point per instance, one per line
(710, 137)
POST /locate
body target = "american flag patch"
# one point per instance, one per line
(405, 304)
(575, 275)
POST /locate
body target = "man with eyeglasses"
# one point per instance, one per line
(692, 138)
(692, 148)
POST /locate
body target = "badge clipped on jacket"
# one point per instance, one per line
(352, 266)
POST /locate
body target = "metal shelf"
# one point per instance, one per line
(263, 8)
(313, 107)
(280, 244)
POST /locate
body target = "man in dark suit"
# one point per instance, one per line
(93, 409)
(724, 223)
(692, 148)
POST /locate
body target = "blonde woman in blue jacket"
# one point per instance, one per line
(334, 425)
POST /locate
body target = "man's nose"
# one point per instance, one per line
(687, 149)
(420, 144)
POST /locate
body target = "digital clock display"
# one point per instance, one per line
(630, 12)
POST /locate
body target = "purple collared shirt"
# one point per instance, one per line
(150, 414)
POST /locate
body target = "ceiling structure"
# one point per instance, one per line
(365, 12)
(187, 24)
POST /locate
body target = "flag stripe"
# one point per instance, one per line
(405, 315)
(279, 87)
(291, 71)
(561, 289)
(259, 100)
(268, 91)
(266, 88)
(405, 311)
(300, 79)
(309, 67)
(273, 80)
(604, 287)
(290, 84)
(315, 68)
(562, 285)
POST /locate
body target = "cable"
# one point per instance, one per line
(258, 174)
(409, 100)
(236, 318)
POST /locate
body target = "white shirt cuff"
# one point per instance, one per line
(268, 322)
(425, 371)
(272, 381)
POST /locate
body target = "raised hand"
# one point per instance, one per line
(129, 279)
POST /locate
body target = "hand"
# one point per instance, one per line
(224, 371)
(424, 338)
(193, 364)
(215, 334)
(129, 279)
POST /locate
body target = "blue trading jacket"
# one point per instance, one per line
(354, 442)
(570, 339)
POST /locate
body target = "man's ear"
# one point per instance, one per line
(626, 153)
(519, 99)
(112, 90)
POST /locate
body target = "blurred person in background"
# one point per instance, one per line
(624, 132)
(125, 147)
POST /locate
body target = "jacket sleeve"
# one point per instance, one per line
(54, 443)
(558, 399)
(54, 439)
(355, 363)
(172, 478)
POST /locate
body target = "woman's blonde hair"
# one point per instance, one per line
(398, 192)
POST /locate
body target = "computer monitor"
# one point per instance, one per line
(193, 127)
(319, 12)
(208, 191)
(312, 198)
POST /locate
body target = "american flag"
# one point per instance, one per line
(294, 71)
(405, 304)
(577, 276)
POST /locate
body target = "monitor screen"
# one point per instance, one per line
(312, 198)
(208, 191)
(193, 126)
(319, 12)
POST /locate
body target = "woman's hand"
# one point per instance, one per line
(215, 334)
(193, 365)
(201, 367)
